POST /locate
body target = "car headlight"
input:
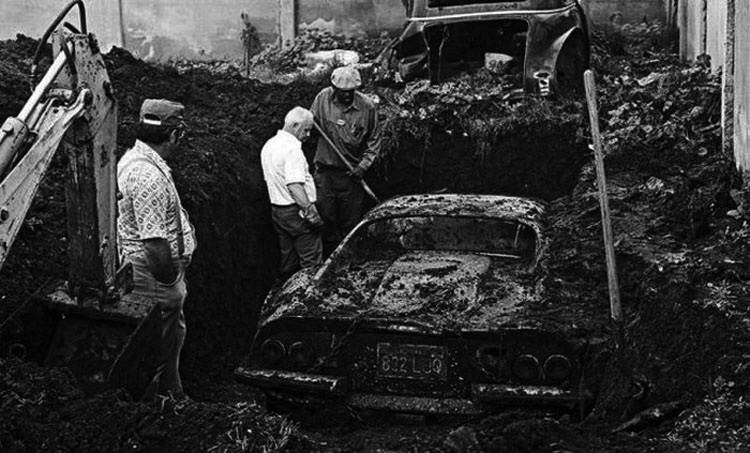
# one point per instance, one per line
(526, 368)
(272, 351)
(489, 357)
(557, 368)
(301, 354)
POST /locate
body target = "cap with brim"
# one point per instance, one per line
(346, 78)
(161, 112)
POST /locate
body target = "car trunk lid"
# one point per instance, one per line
(429, 282)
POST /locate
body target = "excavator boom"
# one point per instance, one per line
(87, 322)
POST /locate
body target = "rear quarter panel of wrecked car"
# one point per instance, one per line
(550, 27)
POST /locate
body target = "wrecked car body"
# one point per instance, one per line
(539, 46)
(423, 308)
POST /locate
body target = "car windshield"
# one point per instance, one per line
(497, 237)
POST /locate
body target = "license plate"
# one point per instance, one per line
(412, 361)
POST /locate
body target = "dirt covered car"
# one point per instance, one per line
(421, 309)
(539, 46)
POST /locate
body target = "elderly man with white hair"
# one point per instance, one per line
(292, 192)
(350, 120)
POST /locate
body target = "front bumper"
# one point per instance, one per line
(482, 396)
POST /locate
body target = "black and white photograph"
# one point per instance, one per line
(377, 226)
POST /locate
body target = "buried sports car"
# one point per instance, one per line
(542, 46)
(423, 308)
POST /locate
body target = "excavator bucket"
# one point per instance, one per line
(105, 347)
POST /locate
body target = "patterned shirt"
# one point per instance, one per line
(354, 130)
(149, 206)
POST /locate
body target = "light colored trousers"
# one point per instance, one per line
(170, 300)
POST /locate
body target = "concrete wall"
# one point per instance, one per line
(211, 29)
(721, 29)
(626, 11)
(716, 33)
(742, 84)
(32, 17)
(727, 82)
(703, 30)
(352, 17)
(163, 29)
(692, 24)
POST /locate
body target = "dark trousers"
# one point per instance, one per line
(300, 246)
(340, 201)
(170, 299)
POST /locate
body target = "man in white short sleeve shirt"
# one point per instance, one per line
(291, 189)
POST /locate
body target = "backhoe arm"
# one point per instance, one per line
(72, 109)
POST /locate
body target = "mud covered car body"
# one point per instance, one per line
(545, 43)
(423, 308)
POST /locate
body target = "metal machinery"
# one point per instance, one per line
(88, 323)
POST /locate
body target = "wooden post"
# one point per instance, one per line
(287, 23)
(609, 248)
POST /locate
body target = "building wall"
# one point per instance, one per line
(200, 29)
(727, 82)
(625, 11)
(163, 29)
(716, 32)
(742, 85)
(32, 17)
(721, 29)
(692, 23)
(197, 29)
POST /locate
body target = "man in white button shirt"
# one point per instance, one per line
(291, 190)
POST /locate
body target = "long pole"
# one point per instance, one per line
(346, 162)
(609, 248)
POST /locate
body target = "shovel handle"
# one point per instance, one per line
(609, 249)
(346, 162)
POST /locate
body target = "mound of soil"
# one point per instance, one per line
(44, 410)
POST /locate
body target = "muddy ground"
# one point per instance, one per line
(679, 213)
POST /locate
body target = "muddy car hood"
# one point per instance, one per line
(441, 290)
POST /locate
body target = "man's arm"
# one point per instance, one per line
(373, 141)
(297, 191)
(159, 257)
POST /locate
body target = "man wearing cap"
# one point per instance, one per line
(291, 190)
(350, 120)
(155, 234)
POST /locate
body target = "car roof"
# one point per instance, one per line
(461, 205)
(426, 8)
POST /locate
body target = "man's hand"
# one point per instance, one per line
(159, 257)
(312, 217)
(356, 173)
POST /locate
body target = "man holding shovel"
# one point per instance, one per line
(350, 141)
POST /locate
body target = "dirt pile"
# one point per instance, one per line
(680, 240)
(465, 136)
(44, 410)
